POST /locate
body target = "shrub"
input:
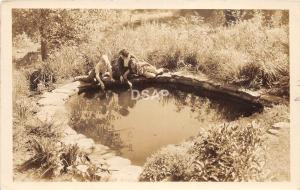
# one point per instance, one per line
(52, 159)
(22, 41)
(226, 153)
(67, 62)
(168, 164)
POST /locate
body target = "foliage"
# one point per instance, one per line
(253, 53)
(54, 28)
(23, 107)
(225, 153)
(168, 164)
(22, 41)
(51, 159)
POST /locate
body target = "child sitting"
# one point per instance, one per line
(101, 72)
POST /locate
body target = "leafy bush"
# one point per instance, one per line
(225, 153)
(22, 41)
(168, 164)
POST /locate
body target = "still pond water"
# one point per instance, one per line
(138, 128)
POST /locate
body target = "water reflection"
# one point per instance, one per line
(136, 128)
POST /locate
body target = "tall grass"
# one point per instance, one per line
(250, 53)
(22, 105)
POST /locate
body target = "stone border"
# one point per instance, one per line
(200, 84)
(52, 110)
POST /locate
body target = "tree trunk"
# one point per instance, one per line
(44, 49)
(42, 30)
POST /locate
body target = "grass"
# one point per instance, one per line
(249, 54)
(53, 159)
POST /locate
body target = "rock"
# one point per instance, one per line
(54, 99)
(129, 174)
(97, 155)
(253, 93)
(104, 176)
(86, 145)
(64, 91)
(117, 162)
(101, 148)
(46, 113)
(46, 94)
(71, 86)
(108, 155)
(54, 115)
(164, 75)
(69, 131)
(281, 125)
(82, 168)
(273, 132)
(73, 139)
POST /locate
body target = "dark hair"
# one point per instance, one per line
(124, 52)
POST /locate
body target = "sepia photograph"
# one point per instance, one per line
(150, 95)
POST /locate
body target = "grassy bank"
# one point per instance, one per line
(249, 54)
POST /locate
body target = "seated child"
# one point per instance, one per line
(101, 72)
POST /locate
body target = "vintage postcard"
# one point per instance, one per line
(192, 92)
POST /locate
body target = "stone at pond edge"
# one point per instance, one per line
(127, 174)
(46, 113)
(108, 155)
(52, 110)
(117, 162)
(85, 144)
(273, 132)
(69, 131)
(281, 125)
(55, 99)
